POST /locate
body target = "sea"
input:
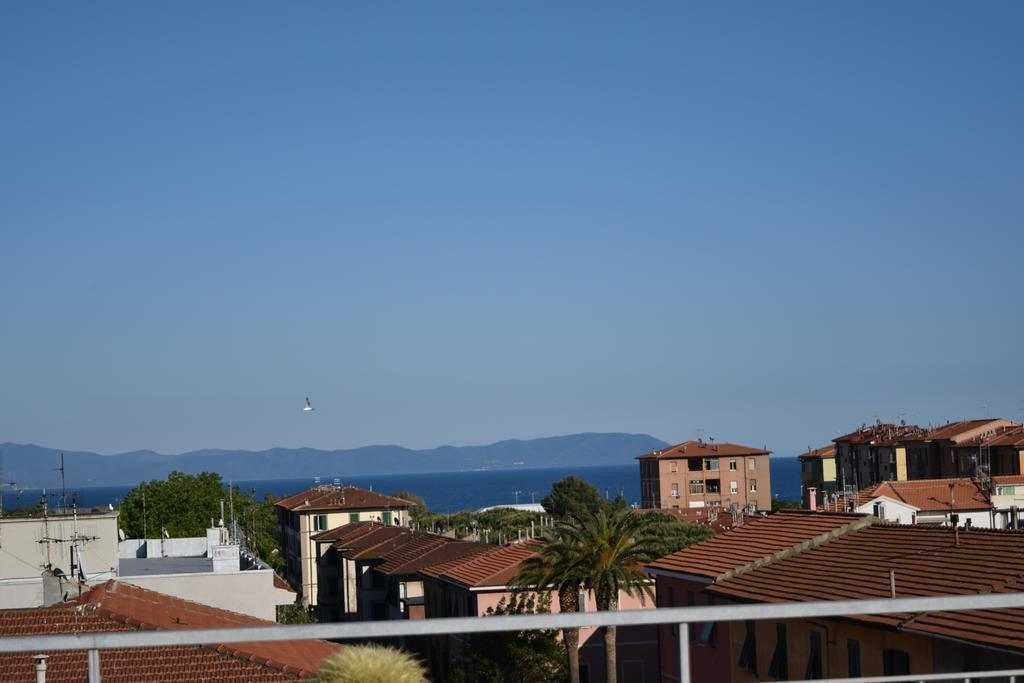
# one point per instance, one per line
(442, 491)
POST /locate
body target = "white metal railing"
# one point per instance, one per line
(684, 616)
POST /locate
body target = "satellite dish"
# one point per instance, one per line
(308, 408)
(120, 534)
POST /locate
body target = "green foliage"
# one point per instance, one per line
(667, 534)
(419, 505)
(184, 504)
(572, 495)
(27, 511)
(514, 657)
(294, 614)
(370, 664)
(501, 525)
(785, 505)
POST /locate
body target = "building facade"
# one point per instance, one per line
(698, 474)
(321, 508)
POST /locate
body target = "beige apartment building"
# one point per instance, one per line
(321, 508)
(698, 474)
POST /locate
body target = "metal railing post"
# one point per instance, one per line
(94, 666)
(684, 653)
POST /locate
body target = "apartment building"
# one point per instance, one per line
(700, 473)
(885, 452)
(818, 476)
(321, 508)
(786, 558)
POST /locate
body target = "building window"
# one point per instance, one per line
(711, 464)
(353, 517)
(852, 657)
(707, 633)
(732, 465)
(879, 511)
(386, 517)
(750, 464)
(694, 464)
(895, 662)
(779, 668)
(734, 487)
(714, 485)
(748, 655)
(753, 485)
(696, 487)
(672, 468)
(675, 490)
(814, 659)
(319, 522)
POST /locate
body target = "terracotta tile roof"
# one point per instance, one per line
(373, 544)
(347, 532)
(930, 495)
(1012, 435)
(117, 606)
(492, 568)
(883, 433)
(439, 554)
(720, 521)
(823, 452)
(758, 539)
(282, 584)
(705, 449)
(330, 497)
(955, 431)
(411, 546)
(927, 562)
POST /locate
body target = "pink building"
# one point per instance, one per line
(469, 586)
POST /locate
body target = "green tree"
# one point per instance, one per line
(556, 567)
(609, 548)
(667, 534)
(510, 656)
(185, 504)
(419, 505)
(571, 495)
(784, 505)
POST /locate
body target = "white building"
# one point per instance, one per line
(211, 570)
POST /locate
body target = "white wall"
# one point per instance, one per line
(18, 593)
(892, 510)
(249, 592)
(23, 555)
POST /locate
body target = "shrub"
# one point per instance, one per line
(370, 664)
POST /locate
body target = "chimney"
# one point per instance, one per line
(41, 668)
(812, 498)
(892, 583)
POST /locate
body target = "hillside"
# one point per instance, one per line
(34, 466)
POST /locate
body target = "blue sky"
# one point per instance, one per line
(462, 222)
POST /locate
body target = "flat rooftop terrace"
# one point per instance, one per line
(141, 566)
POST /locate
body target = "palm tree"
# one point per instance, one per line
(555, 567)
(608, 547)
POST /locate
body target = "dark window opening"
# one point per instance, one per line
(853, 658)
(748, 655)
(895, 662)
(814, 659)
(779, 668)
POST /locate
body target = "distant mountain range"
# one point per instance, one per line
(33, 466)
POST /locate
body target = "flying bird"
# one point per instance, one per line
(308, 408)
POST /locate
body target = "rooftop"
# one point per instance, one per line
(116, 606)
(706, 449)
(758, 540)
(493, 568)
(331, 497)
(142, 566)
(930, 495)
(926, 560)
(823, 452)
(439, 554)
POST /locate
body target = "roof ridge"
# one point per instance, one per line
(798, 548)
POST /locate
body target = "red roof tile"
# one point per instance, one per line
(116, 606)
(439, 554)
(347, 532)
(926, 560)
(494, 568)
(756, 540)
(705, 449)
(930, 495)
(409, 548)
(373, 544)
(330, 497)
(879, 433)
(823, 452)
